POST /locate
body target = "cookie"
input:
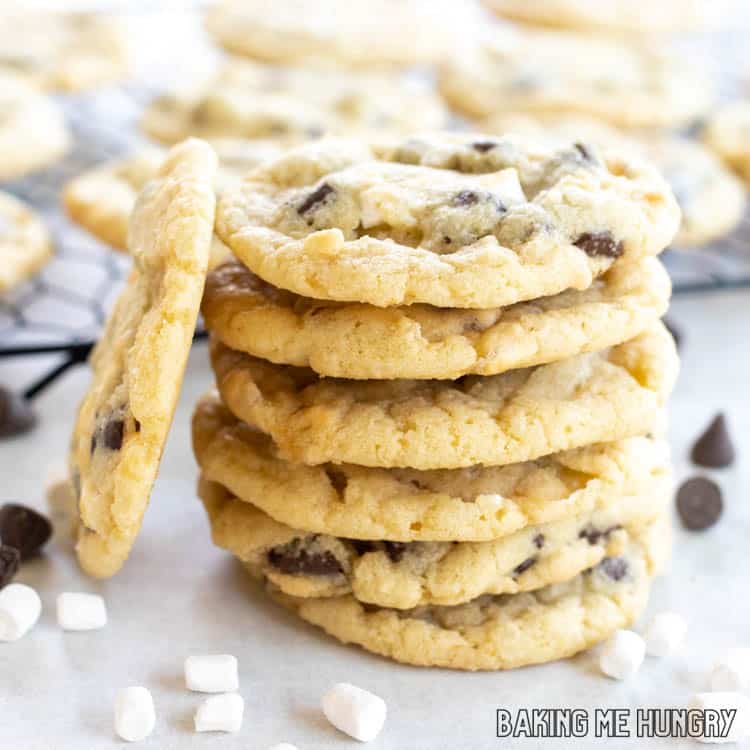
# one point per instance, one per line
(101, 199)
(727, 133)
(246, 100)
(62, 51)
(139, 362)
(627, 83)
(33, 133)
(358, 33)
(357, 341)
(475, 504)
(433, 424)
(404, 575)
(450, 220)
(611, 16)
(505, 631)
(25, 244)
(712, 200)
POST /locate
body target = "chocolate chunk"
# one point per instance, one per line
(524, 566)
(16, 415)
(337, 479)
(675, 330)
(714, 447)
(699, 503)
(10, 560)
(483, 146)
(113, 433)
(315, 198)
(24, 529)
(395, 550)
(538, 541)
(593, 535)
(466, 198)
(596, 244)
(294, 559)
(615, 568)
(584, 151)
(361, 546)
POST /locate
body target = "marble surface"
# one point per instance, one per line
(178, 595)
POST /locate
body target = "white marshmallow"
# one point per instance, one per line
(134, 714)
(715, 702)
(622, 655)
(283, 746)
(665, 634)
(356, 712)
(76, 611)
(20, 607)
(732, 671)
(211, 673)
(220, 713)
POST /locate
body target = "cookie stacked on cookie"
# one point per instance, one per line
(441, 381)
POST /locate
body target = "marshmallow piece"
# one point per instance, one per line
(732, 671)
(211, 673)
(20, 607)
(134, 714)
(354, 711)
(283, 746)
(665, 634)
(715, 703)
(77, 611)
(220, 713)
(622, 654)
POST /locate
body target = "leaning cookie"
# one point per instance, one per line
(140, 360)
(475, 504)
(33, 133)
(358, 341)
(505, 631)
(403, 575)
(428, 424)
(451, 220)
(25, 244)
(727, 133)
(627, 83)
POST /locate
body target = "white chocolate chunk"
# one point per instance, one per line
(665, 634)
(622, 655)
(134, 714)
(717, 711)
(354, 711)
(211, 673)
(20, 607)
(220, 713)
(732, 671)
(77, 611)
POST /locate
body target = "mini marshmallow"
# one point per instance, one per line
(622, 655)
(20, 607)
(220, 713)
(732, 671)
(211, 673)
(77, 611)
(665, 634)
(740, 728)
(354, 711)
(134, 714)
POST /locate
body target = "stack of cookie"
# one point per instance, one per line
(441, 387)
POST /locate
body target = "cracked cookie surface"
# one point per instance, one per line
(451, 220)
(358, 341)
(433, 424)
(138, 364)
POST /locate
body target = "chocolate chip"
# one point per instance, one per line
(538, 541)
(699, 503)
(294, 559)
(483, 146)
(337, 479)
(113, 433)
(675, 330)
(361, 546)
(315, 198)
(466, 198)
(584, 151)
(615, 568)
(10, 561)
(16, 415)
(136, 425)
(714, 447)
(395, 550)
(596, 244)
(93, 444)
(524, 566)
(24, 529)
(593, 535)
